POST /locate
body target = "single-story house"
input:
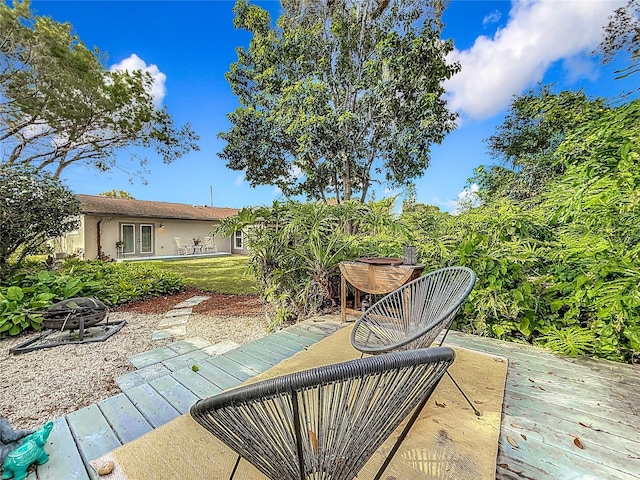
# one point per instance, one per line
(127, 228)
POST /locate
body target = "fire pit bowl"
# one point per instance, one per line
(74, 313)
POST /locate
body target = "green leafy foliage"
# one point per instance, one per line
(26, 295)
(560, 269)
(338, 97)
(569, 341)
(116, 283)
(537, 123)
(295, 249)
(61, 106)
(563, 269)
(34, 206)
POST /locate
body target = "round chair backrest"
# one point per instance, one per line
(413, 315)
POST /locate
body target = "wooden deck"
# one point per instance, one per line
(562, 419)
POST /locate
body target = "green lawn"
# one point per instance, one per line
(219, 274)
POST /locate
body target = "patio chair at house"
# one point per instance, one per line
(415, 314)
(325, 423)
(209, 245)
(182, 248)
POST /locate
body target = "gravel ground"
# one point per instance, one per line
(46, 384)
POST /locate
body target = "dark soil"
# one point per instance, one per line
(218, 304)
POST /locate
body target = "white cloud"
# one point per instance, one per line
(493, 17)
(296, 172)
(580, 67)
(467, 198)
(239, 180)
(538, 33)
(132, 63)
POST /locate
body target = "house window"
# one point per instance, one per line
(238, 239)
(146, 238)
(128, 235)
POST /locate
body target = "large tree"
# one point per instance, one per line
(116, 194)
(536, 123)
(338, 95)
(34, 206)
(60, 106)
(623, 33)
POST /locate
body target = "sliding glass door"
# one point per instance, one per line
(146, 239)
(137, 238)
(128, 233)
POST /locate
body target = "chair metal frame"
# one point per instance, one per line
(182, 248)
(413, 315)
(209, 244)
(325, 423)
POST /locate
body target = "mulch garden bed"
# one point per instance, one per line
(219, 304)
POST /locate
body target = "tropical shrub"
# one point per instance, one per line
(562, 271)
(295, 249)
(26, 295)
(595, 209)
(115, 283)
(294, 252)
(34, 206)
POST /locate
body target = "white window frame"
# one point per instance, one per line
(150, 225)
(238, 236)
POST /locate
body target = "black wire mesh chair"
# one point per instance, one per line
(415, 314)
(324, 423)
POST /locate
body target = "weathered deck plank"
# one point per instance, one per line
(66, 463)
(270, 353)
(550, 401)
(197, 384)
(255, 364)
(588, 427)
(152, 405)
(189, 345)
(156, 355)
(175, 393)
(210, 371)
(125, 419)
(186, 360)
(91, 432)
(286, 344)
(556, 443)
(308, 336)
(261, 353)
(291, 341)
(231, 368)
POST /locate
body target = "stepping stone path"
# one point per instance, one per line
(178, 355)
(175, 321)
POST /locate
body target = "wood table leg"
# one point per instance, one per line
(343, 299)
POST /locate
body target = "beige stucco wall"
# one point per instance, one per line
(164, 233)
(72, 243)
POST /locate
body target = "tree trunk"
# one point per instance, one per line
(346, 177)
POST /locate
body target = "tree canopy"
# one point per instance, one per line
(116, 194)
(622, 33)
(60, 106)
(536, 123)
(34, 206)
(340, 94)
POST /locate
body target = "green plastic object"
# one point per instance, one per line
(31, 450)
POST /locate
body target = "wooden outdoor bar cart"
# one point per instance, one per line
(376, 276)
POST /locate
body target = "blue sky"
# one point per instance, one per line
(504, 47)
